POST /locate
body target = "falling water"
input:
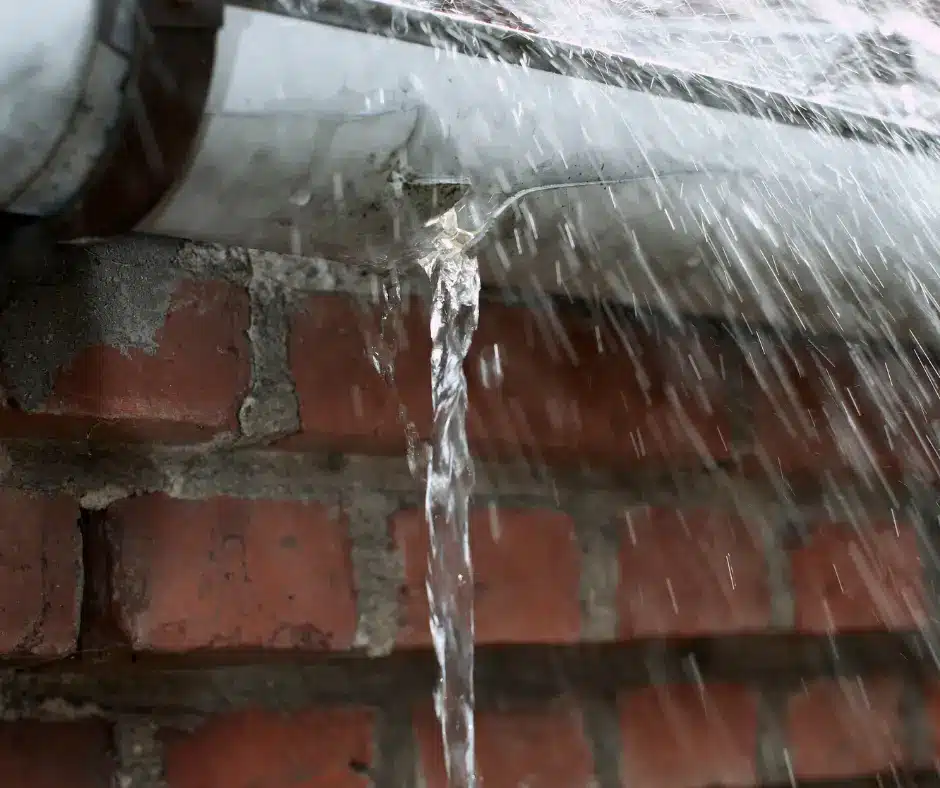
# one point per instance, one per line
(455, 283)
(383, 350)
(771, 213)
(455, 286)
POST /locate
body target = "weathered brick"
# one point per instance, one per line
(844, 729)
(868, 577)
(907, 393)
(931, 699)
(40, 573)
(568, 392)
(344, 403)
(691, 573)
(231, 573)
(542, 746)
(189, 389)
(813, 412)
(53, 755)
(575, 389)
(321, 748)
(526, 566)
(689, 736)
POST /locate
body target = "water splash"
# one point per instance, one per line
(455, 310)
(383, 350)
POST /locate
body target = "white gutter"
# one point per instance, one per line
(328, 141)
(60, 90)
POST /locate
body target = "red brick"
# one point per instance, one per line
(932, 713)
(691, 573)
(837, 730)
(535, 746)
(909, 400)
(189, 389)
(344, 403)
(55, 754)
(813, 411)
(329, 748)
(866, 578)
(561, 398)
(230, 573)
(576, 390)
(898, 397)
(40, 574)
(688, 736)
(526, 575)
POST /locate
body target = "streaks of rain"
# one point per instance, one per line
(802, 267)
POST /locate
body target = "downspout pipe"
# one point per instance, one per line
(338, 128)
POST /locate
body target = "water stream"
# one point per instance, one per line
(456, 285)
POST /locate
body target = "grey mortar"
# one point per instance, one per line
(270, 409)
(79, 469)
(114, 294)
(139, 753)
(377, 567)
(602, 731)
(76, 470)
(211, 261)
(772, 755)
(917, 727)
(598, 532)
(775, 530)
(299, 275)
(20, 701)
(773, 524)
(395, 764)
(100, 498)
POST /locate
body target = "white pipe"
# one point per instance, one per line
(59, 96)
(307, 124)
(300, 110)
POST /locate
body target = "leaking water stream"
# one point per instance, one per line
(455, 285)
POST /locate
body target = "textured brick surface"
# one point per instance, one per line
(526, 568)
(932, 725)
(813, 411)
(574, 389)
(691, 573)
(229, 573)
(539, 746)
(357, 410)
(188, 389)
(567, 392)
(52, 755)
(310, 749)
(688, 736)
(729, 540)
(859, 578)
(845, 729)
(40, 573)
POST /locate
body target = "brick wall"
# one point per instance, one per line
(705, 555)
